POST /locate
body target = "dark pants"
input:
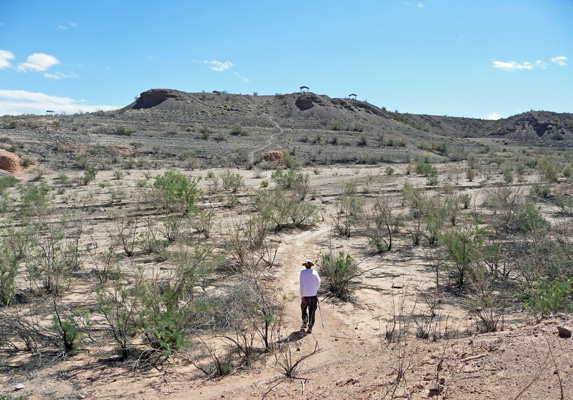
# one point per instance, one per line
(308, 307)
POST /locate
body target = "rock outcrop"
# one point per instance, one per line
(274, 156)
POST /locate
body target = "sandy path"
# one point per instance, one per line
(332, 340)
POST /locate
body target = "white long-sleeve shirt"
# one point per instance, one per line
(309, 282)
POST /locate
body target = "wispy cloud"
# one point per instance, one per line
(62, 28)
(5, 57)
(420, 5)
(560, 60)
(218, 65)
(494, 116)
(59, 75)
(241, 77)
(16, 102)
(74, 25)
(512, 65)
(38, 62)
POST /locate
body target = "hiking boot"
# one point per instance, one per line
(309, 330)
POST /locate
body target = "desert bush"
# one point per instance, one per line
(506, 204)
(389, 170)
(70, 326)
(168, 304)
(90, 174)
(7, 182)
(125, 232)
(232, 182)
(349, 210)
(380, 225)
(123, 131)
(507, 175)
(248, 246)
(284, 209)
(259, 307)
(238, 130)
(530, 219)
(8, 273)
(548, 170)
(174, 192)
(119, 306)
(416, 200)
(426, 169)
(35, 199)
(464, 247)
(550, 296)
(338, 271)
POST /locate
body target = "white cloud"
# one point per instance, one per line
(59, 75)
(38, 62)
(5, 57)
(420, 5)
(74, 25)
(218, 65)
(512, 65)
(494, 116)
(62, 28)
(540, 64)
(560, 60)
(15, 102)
(241, 77)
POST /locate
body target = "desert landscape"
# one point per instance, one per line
(153, 252)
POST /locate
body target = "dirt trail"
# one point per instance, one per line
(270, 140)
(333, 339)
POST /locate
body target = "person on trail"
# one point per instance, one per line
(309, 284)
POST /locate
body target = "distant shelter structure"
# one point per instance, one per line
(302, 88)
(352, 96)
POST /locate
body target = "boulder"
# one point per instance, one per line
(10, 162)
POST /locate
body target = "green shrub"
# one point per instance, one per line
(337, 273)
(121, 130)
(6, 182)
(232, 182)
(175, 192)
(532, 220)
(551, 296)
(90, 174)
(238, 130)
(426, 169)
(8, 272)
(507, 175)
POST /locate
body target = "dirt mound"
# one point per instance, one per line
(10, 162)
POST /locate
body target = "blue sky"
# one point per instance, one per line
(480, 59)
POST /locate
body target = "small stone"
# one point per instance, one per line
(18, 387)
(564, 332)
(436, 390)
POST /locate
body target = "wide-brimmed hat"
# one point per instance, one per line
(308, 263)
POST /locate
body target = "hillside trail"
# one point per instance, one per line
(270, 140)
(333, 339)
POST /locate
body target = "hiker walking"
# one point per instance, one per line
(309, 284)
